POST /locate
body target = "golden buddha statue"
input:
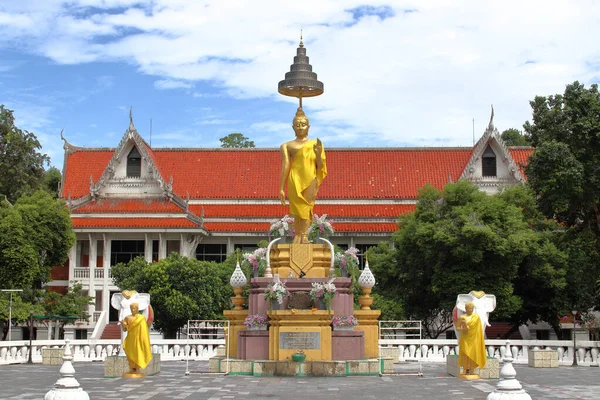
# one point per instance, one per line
(137, 343)
(303, 167)
(471, 343)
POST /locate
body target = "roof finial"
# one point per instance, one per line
(301, 44)
(491, 125)
(131, 127)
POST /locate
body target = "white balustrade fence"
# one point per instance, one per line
(431, 350)
(17, 352)
(436, 350)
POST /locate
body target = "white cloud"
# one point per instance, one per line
(410, 78)
(165, 84)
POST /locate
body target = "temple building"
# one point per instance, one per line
(135, 200)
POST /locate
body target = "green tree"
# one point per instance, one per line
(236, 140)
(52, 179)
(514, 137)
(21, 163)
(73, 304)
(386, 298)
(180, 289)
(36, 235)
(461, 239)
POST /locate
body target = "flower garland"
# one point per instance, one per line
(320, 227)
(256, 320)
(323, 291)
(275, 291)
(347, 260)
(344, 321)
(283, 227)
(257, 260)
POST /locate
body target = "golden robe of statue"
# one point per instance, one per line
(303, 166)
(471, 344)
(137, 342)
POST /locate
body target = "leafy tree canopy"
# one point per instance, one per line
(564, 170)
(36, 235)
(180, 288)
(461, 239)
(21, 163)
(514, 137)
(236, 140)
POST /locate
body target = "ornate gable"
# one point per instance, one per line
(481, 169)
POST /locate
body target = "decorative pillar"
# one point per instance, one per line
(93, 263)
(72, 263)
(148, 248)
(106, 267)
(162, 246)
(367, 318)
(67, 387)
(236, 316)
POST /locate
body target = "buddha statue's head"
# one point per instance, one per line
(469, 307)
(300, 124)
(134, 308)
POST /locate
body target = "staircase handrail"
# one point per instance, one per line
(100, 325)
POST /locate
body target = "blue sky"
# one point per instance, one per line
(396, 73)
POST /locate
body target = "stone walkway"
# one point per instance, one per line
(33, 381)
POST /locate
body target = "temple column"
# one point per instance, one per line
(72, 263)
(162, 246)
(106, 267)
(230, 247)
(93, 264)
(148, 248)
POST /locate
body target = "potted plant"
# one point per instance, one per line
(320, 227)
(256, 322)
(323, 293)
(284, 228)
(299, 356)
(347, 262)
(346, 323)
(257, 261)
(274, 293)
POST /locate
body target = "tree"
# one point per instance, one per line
(564, 170)
(564, 173)
(236, 141)
(52, 179)
(180, 289)
(514, 137)
(21, 163)
(36, 235)
(461, 239)
(386, 298)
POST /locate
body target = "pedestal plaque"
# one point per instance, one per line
(300, 340)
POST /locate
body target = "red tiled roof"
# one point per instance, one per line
(133, 223)
(278, 211)
(80, 165)
(521, 155)
(231, 174)
(264, 227)
(128, 206)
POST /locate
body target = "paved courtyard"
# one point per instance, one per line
(33, 381)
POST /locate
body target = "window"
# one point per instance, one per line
(488, 162)
(542, 334)
(361, 255)
(80, 334)
(245, 247)
(123, 251)
(134, 163)
(211, 252)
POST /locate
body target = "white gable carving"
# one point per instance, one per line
(507, 171)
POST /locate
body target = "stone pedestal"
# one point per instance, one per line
(305, 330)
(52, 356)
(546, 358)
(116, 366)
(313, 259)
(490, 371)
(236, 325)
(347, 345)
(253, 345)
(367, 322)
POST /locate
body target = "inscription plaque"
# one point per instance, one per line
(300, 301)
(300, 340)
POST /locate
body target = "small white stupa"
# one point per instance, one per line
(509, 388)
(67, 387)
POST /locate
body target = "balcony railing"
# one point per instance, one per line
(84, 273)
